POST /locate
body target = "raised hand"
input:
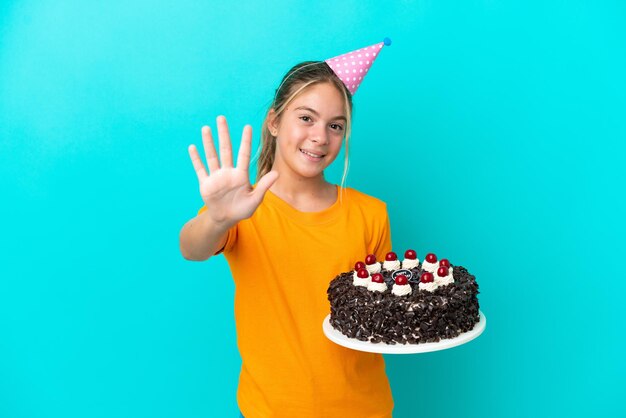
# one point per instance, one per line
(225, 189)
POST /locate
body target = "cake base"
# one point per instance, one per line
(338, 338)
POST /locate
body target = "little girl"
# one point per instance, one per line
(285, 238)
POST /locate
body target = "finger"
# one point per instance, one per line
(264, 184)
(226, 153)
(209, 150)
(243, 158)
(197, 162)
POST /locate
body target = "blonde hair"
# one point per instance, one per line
(294, 82)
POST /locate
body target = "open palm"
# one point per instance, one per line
(226, 190)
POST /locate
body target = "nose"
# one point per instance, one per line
(320, 136)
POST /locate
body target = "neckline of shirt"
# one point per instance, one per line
(310, 218)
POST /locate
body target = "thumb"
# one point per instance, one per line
(264, 184)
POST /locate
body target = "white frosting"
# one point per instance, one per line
(373, 268)
(360, 282)
(429, 287)
(410, 264)
(391, 265)
(442, 281)
(376, 287)
(431, 267)
(357, 281)
(401, 289)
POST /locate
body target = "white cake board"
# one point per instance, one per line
(338, 338)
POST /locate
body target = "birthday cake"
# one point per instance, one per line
(408, 302)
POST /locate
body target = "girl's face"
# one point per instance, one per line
(310, 131)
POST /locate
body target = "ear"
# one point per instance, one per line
(272, 122)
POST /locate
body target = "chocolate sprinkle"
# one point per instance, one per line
(417, 318)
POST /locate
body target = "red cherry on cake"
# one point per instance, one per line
(391, 256)
(431, 258)
(444, 262)
(377, 277)
(401, 280)
(370, 259)
(362, 273)
(442, 271)
(359, 265)
(410, 255)
(427, 277)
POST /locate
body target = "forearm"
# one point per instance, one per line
(201, 237)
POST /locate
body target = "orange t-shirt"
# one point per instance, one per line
(282, 261)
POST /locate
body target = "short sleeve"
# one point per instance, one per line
(231, 236)
(382, 239)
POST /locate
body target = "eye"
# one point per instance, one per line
(305, 118)
(336, 127)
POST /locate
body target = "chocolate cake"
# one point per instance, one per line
(404, 303)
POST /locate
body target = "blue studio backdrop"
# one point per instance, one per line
(494, 130)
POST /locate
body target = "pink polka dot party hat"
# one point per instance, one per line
(352, 66)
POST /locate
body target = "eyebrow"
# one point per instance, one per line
(317, 114)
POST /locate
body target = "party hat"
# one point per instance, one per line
(352, 66)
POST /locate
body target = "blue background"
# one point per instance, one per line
(493, 129)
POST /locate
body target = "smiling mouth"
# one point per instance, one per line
(312, 155)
